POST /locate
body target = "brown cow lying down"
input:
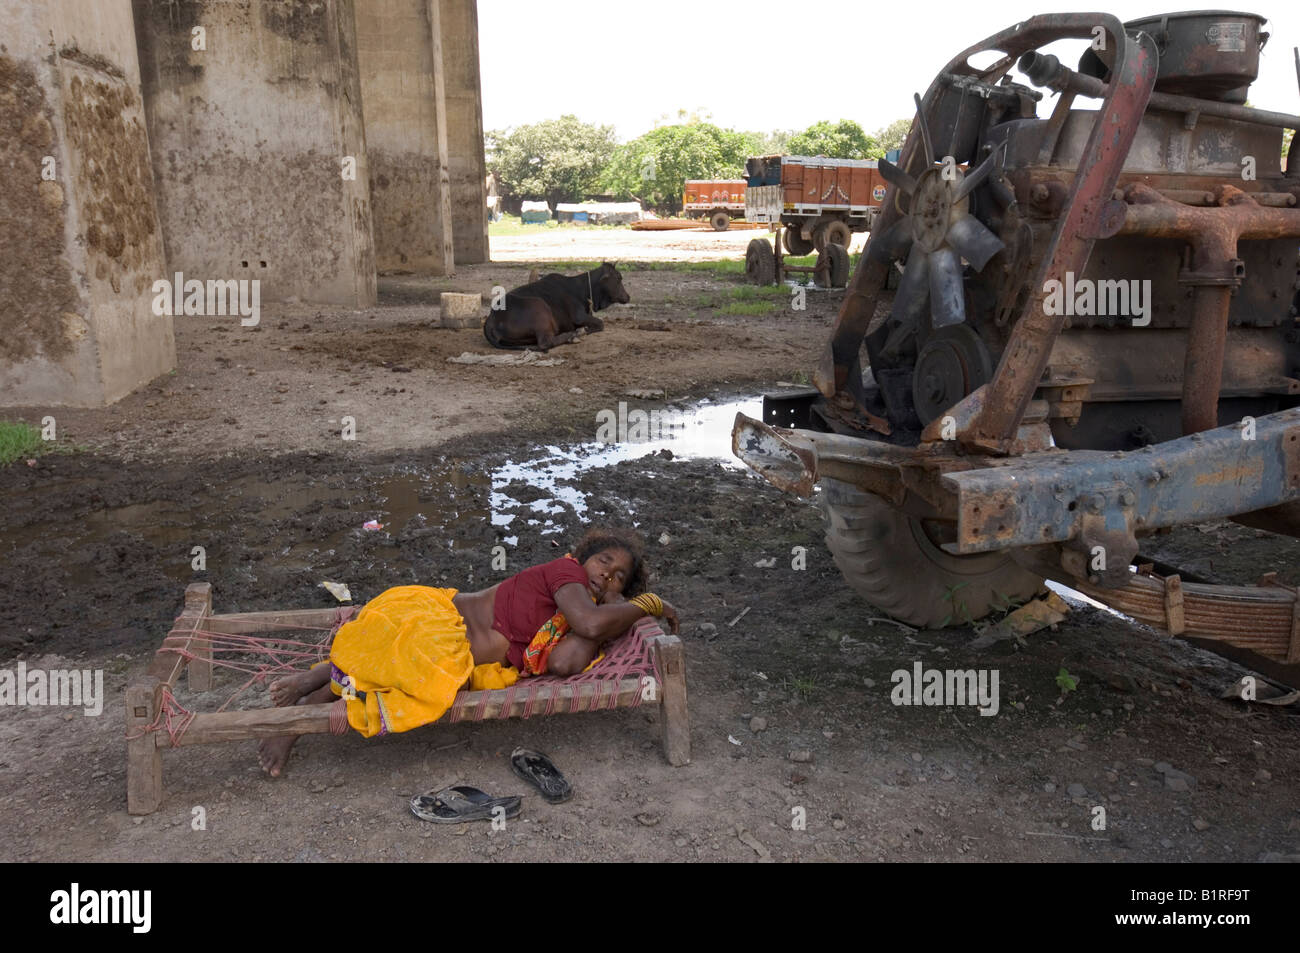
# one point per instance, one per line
(555, 309)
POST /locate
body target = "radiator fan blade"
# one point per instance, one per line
(973, 241)
(895, 242)
(896, 176)
(974, 178)
(914, 289)
(947, 300)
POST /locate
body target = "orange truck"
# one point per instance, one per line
(718, 200)
(818, 200)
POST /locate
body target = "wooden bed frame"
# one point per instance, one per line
(189, 635)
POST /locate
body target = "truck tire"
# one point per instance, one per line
(837, 274)
(837, 233)
(887, 558)
(760, 262)
(720, 221)
(794, 241)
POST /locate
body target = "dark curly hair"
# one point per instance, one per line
(599, 539)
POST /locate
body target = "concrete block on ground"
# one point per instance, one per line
(459, 310)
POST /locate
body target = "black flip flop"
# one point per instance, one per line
(537, 770)
(456, 805)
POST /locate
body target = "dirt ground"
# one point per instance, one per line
(240, 452)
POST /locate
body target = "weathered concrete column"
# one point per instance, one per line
(80, 227)
(259, 149)
(465, 129)
(399, 52)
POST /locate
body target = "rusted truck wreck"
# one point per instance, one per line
(1094, 335)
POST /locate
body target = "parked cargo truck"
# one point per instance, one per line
(718, 200)
(818, 200)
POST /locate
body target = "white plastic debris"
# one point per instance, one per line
(338, 590)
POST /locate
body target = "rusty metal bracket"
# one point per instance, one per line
(1211, 475)
(1107, 539)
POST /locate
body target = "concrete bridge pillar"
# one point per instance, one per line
(465, 129)
(259, 148)
(399, 52)
(82, 243)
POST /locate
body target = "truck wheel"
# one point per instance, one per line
(837, 273)
(837, 233)
(760, 262)
(888, 559)
(794, 241)
(720, 221)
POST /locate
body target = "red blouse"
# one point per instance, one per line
(526, 600)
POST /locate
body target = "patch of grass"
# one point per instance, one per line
(748, 308)
(514, 225)
(800, 686)
(726, 268)
(724, 298)
(729, 269)
(19, 441)
(754, 292)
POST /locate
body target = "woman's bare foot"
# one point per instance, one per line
(273, 753)
(288, 690)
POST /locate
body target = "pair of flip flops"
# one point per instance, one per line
(456, 805)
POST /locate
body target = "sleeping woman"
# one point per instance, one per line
(401, 661)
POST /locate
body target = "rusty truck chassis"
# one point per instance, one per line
(997, 480)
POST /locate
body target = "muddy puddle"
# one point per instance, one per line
(537, 493)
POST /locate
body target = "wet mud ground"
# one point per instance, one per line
(96, 551)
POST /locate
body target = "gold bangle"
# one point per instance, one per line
(649, 603)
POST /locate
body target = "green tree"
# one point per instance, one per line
(654, 168)
(839, 140)
(774, 143)
(894, 135)
(559, 160)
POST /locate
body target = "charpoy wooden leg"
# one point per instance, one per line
(674, 722)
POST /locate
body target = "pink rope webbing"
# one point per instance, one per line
(224, 650)
(629, 656)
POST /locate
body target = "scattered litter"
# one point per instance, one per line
(707, 630)
(644, 394)
(533, 358)
(732, 740)
(1031, 617)
(1263, 692)
(338, 590)
(749, 840)
(901, 625)
(766, 563)
(801, 756)
(760, 675)
(664, 539)
(575, 390)
(372, 525)
(738, 618)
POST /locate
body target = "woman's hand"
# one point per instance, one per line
(670, 615)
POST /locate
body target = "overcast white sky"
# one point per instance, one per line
(625, 62)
